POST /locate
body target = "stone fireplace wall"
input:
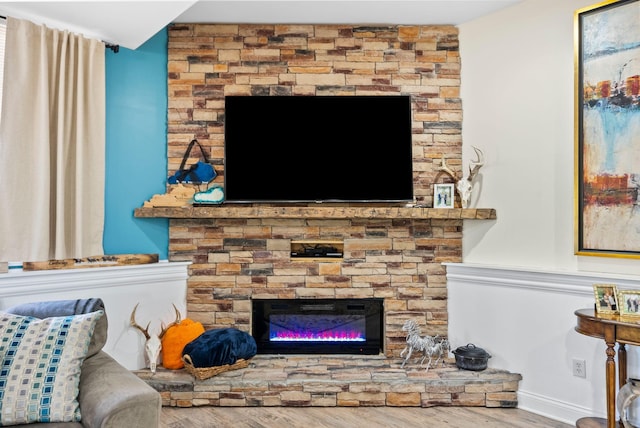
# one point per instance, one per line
(237, 259)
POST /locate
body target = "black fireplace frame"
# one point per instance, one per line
(371, 308)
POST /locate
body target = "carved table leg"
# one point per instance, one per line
(622, 365)
(610, 369)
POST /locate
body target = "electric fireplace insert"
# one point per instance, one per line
(318, 326)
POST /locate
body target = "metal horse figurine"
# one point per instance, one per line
(428, 345)
(415, 342)
(439, 349)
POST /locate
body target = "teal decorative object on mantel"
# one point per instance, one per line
(213, 195)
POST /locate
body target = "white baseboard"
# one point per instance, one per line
(551, 408)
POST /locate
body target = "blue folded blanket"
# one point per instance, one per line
(219, 347)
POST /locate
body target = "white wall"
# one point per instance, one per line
(517, 94)
(525, 319)
(517, 89)
(155, 286)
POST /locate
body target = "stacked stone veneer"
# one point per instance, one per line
(237, 259)
(332, 381)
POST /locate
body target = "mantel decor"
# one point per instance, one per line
(607, 134)
(443, 196)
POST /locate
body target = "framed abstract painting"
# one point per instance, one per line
(607, 129)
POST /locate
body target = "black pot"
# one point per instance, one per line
(470, 357)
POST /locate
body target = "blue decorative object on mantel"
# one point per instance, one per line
(198, 173)
(213, 195)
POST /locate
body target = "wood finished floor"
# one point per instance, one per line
(343, 417)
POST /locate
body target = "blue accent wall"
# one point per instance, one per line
(136, 147)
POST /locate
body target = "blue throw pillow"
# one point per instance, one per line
(219, 347)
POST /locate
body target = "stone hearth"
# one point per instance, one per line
(337, 381)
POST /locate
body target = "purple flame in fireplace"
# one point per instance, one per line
(317, 328)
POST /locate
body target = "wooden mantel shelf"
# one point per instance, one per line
(316, 212)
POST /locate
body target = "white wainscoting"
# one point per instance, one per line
(155, 286)
(525, 320)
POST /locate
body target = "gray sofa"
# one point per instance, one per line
(110, 395)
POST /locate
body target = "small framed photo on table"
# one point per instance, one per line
(629, 301)
(443, 195)
(606, 298)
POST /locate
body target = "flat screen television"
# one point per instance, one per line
(318, 149)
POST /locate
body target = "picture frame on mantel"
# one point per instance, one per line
(443, 195)
(607, 125)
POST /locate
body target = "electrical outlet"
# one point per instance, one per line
(579, 368)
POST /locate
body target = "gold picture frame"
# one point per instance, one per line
(607, 100)
(629, 303)
(606, 296)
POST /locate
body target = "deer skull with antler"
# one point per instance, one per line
(153, 345)
(465, 184)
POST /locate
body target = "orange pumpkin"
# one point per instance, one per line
(175, 339)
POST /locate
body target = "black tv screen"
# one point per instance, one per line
(318, 149)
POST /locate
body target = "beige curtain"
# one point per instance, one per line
(52, 145)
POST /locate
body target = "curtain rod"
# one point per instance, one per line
(114, 48)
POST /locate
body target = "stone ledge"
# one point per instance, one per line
(334, 381)
(317, 212)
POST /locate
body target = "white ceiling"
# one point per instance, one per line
(131, 23)
(125, 23)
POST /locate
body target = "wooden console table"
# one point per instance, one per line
(612, 329)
